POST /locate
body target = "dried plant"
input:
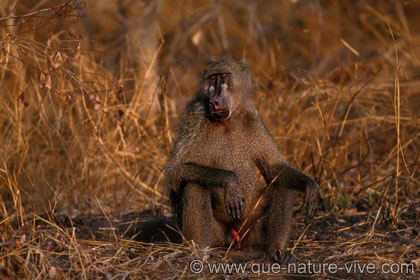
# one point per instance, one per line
(91, 93)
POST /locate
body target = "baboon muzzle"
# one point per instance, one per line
(219, 102)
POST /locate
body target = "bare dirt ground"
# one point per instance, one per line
(107, 248)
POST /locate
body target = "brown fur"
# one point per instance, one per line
(215, 161)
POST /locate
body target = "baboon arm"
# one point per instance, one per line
(180, 174)
(280, 174)
(285, 175)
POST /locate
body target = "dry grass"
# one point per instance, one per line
(82, 146)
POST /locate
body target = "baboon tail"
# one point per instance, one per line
(155, 229)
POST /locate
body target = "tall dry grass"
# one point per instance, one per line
(338, 88)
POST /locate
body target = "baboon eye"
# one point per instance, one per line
(214, 76)
(224, 77)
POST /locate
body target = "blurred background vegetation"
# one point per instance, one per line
(91, 92)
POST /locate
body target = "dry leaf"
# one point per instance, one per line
(53, 272)
(42, 79)
(58, 58)
(76, 54)
(55, 60)
(196, 38)
(22, 239)
(67, 99)
(45, 80)
(48, 82)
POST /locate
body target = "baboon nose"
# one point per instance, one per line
(215, 104)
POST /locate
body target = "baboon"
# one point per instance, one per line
(212, 173)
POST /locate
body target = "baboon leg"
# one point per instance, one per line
(257, 235)
(198, 222)
(279, 220)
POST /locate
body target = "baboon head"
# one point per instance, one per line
(226, 84)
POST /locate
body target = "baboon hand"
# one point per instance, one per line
(311, 201)
(234, 201)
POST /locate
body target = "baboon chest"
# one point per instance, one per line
(229, 149)
(226, 148)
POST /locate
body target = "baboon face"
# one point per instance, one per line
(220, 100)
(226, 83)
